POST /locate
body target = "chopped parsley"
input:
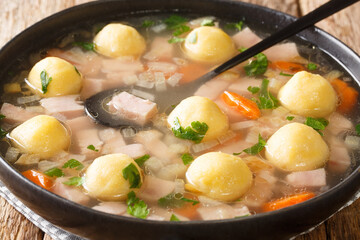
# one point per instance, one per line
(181, 29)
(357, 128)
(253, 90)
(141, 160)
(147, 23)
(174, 218)
(175, 201)
(192, 38)
(74, 181)
(194, 202)
(174, 21)
(132, 174)
(136, 207)
(176, 40)
(266, 99)
(311, 66)
(187, 158)
(258, 147)
(194, 133)
(2, 116)
(45, 81)
(286, 74)
(92, 147)
(237, 25)
(3, 133)
(290, 118)
(246, 215)
(73, 163)
(85, 45)
(54, 172)
(317, 124)
(257, 66)
(77, 71)
(208, 22)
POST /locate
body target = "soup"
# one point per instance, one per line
(268, 134)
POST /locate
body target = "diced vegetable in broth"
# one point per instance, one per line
(272, 132)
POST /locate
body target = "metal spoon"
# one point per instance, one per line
(95, 106)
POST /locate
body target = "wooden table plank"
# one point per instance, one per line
(16, 15)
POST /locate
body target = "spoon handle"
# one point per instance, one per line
(300, 24)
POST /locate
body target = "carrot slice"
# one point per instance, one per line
(241, 104)
(287, 201)
(288, 66)
(188, 209)
(38, 178)
(347, 96)
(191, 72)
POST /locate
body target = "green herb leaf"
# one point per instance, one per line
(181, 29)
(174, 218)
(237, 25)
(311, 66)
(45, 81)
(290, 118)
(54, 172)
(208, 22)
(192, 38)
(141, 160)
(195, 133)
(253, 90)
(171, 201)
(187, 158)
(257, 147)
(73, 163)
(136, 207)
(246, 215)
(74, 181)
(147, 23)
(132, 174)
(266, 99)
(174, 21)
(77, 71)
(176, 40)
(85, 45)
(357, 129)
(257, 66)
(285, 74)
(2, 116)
(317, 124)
(194, 202)
(92, 147)
(3, 133)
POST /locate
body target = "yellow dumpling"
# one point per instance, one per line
(104, 178)
(43, 135)
(297, 147)
(209, 44)
(200, 109)
(65, 79)
(220, 176)
(308, 95)
(118, 40)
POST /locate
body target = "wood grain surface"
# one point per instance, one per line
(16, 15)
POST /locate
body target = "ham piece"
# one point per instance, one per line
(71, 193)
(155, 188)
(313, 178)
(16, 114)
(65, 105)
(133, 108)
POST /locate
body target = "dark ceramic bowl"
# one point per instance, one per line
(86, 222)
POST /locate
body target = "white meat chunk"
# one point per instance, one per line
(65, 105)
(154, 188)
(133, 150)
(90, 87)
(121, 65)
(16, 114)
(71, 193)
(84, 138)
(233, 115)
(282, 52)
(339, 160)
(133, 108)
(80, 123)
(213, 88)
(160, 49)
(241, 86)
(246, 38)
(338, 123)
(222, 211)
(112, 145)
(313, 178)
(117, 208)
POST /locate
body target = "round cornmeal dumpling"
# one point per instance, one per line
(43, 135)
(220, 176)
(209, 44)
(308, 95)
(297, 147)
(104, 177)
(65, 79)
(118, 40)
(200, 109)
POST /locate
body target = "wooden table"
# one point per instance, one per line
(16, 15)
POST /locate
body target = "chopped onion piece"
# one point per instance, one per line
(275, 85)
(130, 79)
(253, 135)
(152, 165)
(333, 75)
(242, 125)
(352, 142)
(178, 148)
(179, 186)
(36, 109)
(208, 202)
(162, 67)
(159, 28)
(172, 171)
(226, 137)
(267, 176)
(28, 99)
(46, 165)
(180, 61)
(200, 147)
(107, 134)
(174, 79)
(143, 94)
(280, 111)
(128, 132)
(12, 154)
(146, 80)
(27, 159)
(160, 84)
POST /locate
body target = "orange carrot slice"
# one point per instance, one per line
(38, 178)
(188, 209)
(241, 104)
(288, 66)
(287, 201)
(347, 96)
